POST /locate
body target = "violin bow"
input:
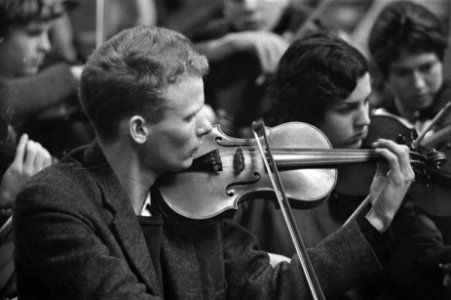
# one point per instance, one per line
(441, 116)
(358, 210)
(259, 129)
(100, 22)
(313, 16)
(6, 229)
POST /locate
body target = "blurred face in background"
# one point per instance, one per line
(254, 15)
(23, 49)
(415, 79)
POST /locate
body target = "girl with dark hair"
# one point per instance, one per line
(324, 81)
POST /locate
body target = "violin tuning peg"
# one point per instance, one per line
(401, 139)
(413, 135)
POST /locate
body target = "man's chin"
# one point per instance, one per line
(183, 166)
(422, 103)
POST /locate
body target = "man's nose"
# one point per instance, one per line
(250, 5)
(204, 125)
(418, 80)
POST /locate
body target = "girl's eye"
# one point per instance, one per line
(426, 68)
(343, 111)
(34, 33)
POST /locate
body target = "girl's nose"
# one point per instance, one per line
(44, 44)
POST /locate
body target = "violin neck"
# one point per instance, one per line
(305, 158)
(315, 158)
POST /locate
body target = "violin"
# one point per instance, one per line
(440, 140)
(431, 188)
(229, 170)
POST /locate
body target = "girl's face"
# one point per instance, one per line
(23, 49)
(346, 122)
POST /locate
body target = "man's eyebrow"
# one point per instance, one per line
(399, 68)
(193, 113)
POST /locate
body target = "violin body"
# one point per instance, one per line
(433, 191)
(440, 140)
(228, 170)
(431, 188)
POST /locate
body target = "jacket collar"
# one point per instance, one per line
(125, 222)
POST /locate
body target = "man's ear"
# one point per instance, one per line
(138, 130)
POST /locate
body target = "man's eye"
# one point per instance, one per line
(189, 118)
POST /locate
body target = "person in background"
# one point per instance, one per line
(95, 223)
(407, 44)
(17, 165)
(324, 81)
(40, 103)
(243, 48)
(88, 31)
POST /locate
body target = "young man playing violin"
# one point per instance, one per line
(407, 44)
(324, 81)
(93, 223)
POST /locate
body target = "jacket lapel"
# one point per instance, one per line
(125, 223)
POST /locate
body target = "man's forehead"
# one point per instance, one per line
(412, 60)
(181, 87)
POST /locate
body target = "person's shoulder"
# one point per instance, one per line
(60, 171)
(68, 176)
(65, 187)
(62, 178)
(69, 166)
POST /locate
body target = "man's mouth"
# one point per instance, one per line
(194, 151)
